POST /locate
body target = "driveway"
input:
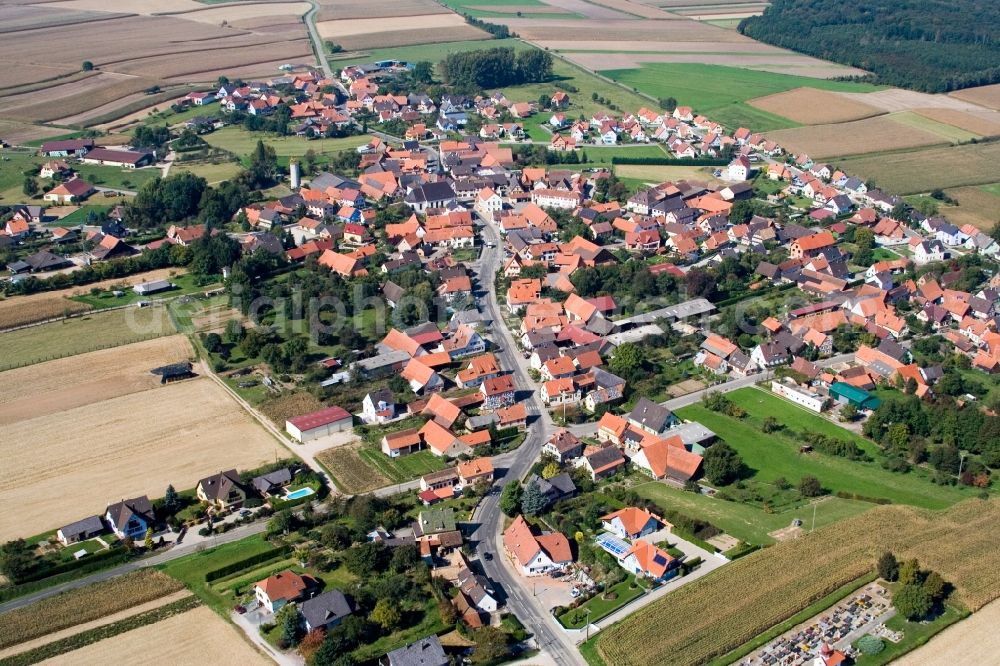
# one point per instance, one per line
(246, 624)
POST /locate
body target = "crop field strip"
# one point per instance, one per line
(718, 613)
(922, 170)
(871, 135)
(350, 471)
(195, 637)
(84, 604)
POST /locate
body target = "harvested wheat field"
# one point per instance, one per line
(130, 6)
(632, 46)
(810, 106)
(916, 171)
(289, 405)
(239, 12)
(982, 123)
(75, 381)
(460, 33)
(628, 30)
(126, 446)
(988, 96)
(636, 9)
(18, 133)
(896, 99)
(962, 644)
(331, 10)
(370, 26)
(593, 11)
(860, 137)
(194, 638)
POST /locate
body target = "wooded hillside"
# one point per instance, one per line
(928, 45)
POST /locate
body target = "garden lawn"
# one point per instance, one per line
(185, 284)
(241, 142)
(403, 468)
(13, 164)
(744, 521)
(81, 216)
(721, 92)
(191, 569)
(777, 454)
(600, 607)
(116, 178)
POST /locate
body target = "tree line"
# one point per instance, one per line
(492, 68)
(929, 46)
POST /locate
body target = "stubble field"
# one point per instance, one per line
(916, 171)
(364, 33)
(194, 638)
(810, 106)
(331, 10)
(982, 123)
(61, 467)
(988, 96)
(718, 613)
(871, 135)
(49, 388)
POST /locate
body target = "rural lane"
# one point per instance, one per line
(188, 548)
(317, 41)
(488, 518)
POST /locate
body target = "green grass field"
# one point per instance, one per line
(993, 189)
(213, 173)
(186, 284)
(404, 468)
(82, 216)
(241, 142)
(721, 92)
(13, 164)
(743, 521)
(777, 455)
(82, 334)
(525, 9)
(119, 179)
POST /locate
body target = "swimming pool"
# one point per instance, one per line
(300, 493)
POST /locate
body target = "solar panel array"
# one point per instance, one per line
(613, 544)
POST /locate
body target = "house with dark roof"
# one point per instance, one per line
(272, 482)
(602, 463)
(563, 446)
(81, 530)
(425, 652)
(130, 517)
(325, 611)
(222, 491)
(651, 417)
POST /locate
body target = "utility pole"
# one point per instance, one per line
(588, 624)
(961, 463)
(814, 518)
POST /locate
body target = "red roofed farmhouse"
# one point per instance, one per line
(308, 427)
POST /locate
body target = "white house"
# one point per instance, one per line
(800, 396)
(631, 522)
(488, 202)
(535, 555)
(739, 169)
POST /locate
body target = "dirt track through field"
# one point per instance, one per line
(62, 467)
(194, 638)
(76, 381)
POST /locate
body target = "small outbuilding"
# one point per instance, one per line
(844, 393)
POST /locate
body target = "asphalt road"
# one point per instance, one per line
(488, 516)
(317, 41)
(234, 534)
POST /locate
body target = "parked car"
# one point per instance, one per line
(488, 556)
(245, 512)
(575, 592)
(240, 609)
